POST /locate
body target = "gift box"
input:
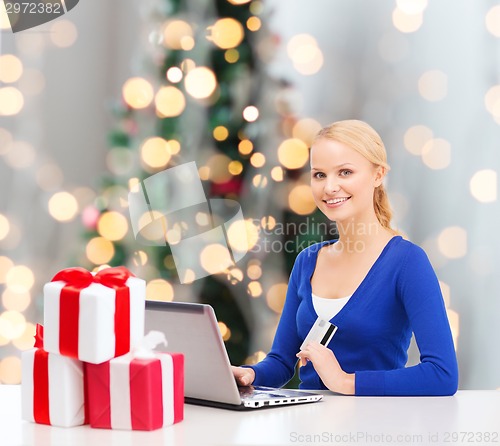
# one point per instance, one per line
(93, 317)
(142, 390)
(53, 387)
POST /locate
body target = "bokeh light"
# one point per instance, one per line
(5, 265)
(250, 113)
(259, 181)
(11, 101)
(4, 226)
(275, 296)
(21, 155)
(412, 6)
(138, 92)
(243, 235)
(170, 102)
(492, 101)
(306, 129)
(257, 160)
(220, 133)
(436, 154)
(174, 74)
(63, 206)
(305, 54)
(226, 33)
(293, 153)
(99, 250)
(174, 146)
(12, 324)
(300, 200)
(416, 138)
(483, 185)
(20, 279)
(27, 339)
(433, 85)
(245, 147)
(215, 258)
(63, 33)
(254, 23)
(112, 225)
(407, 23)
(235, 167)
(139, 258)
(155, 152)
(254, 289)
(254, 272)
(159, 290)
(4, 18)
(11, 68)
(225, 332)
(232, 55)
(200, 82)
(277, 174)
(218, 168)
(10, 370)
(15, 301)
(178, 35)
(493, 20)
(452, 242)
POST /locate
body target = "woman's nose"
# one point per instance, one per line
(331, 186)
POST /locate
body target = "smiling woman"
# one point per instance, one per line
(374, 288)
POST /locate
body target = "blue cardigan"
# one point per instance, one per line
(399, 295)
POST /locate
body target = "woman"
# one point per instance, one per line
(376, 287)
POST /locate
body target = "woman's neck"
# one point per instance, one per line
(355, 235)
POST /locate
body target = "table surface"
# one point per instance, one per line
(469, 417)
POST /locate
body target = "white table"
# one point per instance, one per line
(469, 417)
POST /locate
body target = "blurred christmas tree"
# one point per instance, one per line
(205, 96)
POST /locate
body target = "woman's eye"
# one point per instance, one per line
(319, 175)
(345, 172)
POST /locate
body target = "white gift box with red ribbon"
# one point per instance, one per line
(143, 390)
(53, 389)
(94, 317)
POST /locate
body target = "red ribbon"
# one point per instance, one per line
(78, 279)
(39, 336)
(41, 412)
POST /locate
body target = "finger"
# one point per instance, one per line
(303, 356)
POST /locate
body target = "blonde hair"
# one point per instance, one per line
(360, 136)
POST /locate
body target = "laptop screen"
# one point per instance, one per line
(192, 329)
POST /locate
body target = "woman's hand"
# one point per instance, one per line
(328, 368)
(244, 376)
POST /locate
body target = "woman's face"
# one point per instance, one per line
(343, 181)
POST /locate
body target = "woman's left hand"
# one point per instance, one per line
(328, 368)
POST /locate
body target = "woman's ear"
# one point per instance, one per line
(380, 172)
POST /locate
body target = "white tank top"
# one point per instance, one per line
(327, 308)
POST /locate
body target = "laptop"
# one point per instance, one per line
(192, 329)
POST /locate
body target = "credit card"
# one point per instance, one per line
(322, 331)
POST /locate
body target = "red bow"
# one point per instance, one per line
(78, 279)
(81, 278)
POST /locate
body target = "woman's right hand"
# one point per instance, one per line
(244, 376)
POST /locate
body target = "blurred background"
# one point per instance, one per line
(116, 91)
